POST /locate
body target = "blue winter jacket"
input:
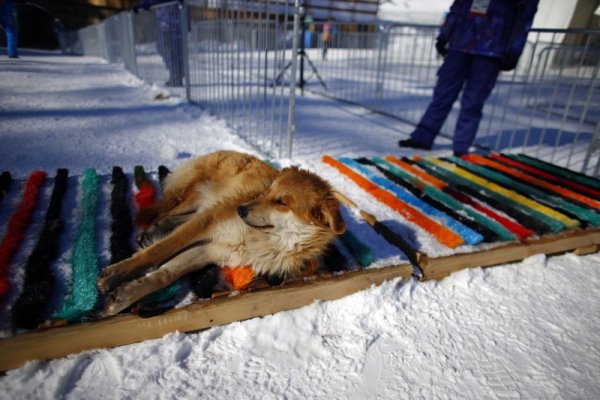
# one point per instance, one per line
(500, 31)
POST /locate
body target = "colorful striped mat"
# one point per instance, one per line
(459, 202)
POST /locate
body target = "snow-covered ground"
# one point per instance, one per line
(424, 12)
(527, 330)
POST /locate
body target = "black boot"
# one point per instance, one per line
(411, 143)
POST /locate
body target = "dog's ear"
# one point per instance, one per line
(329, 216)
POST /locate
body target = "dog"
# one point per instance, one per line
(227, 208)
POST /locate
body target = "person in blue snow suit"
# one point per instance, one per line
(168, 38)
(478, 39)
(309, 30)
(8, 21)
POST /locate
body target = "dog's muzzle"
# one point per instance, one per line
(243, 212)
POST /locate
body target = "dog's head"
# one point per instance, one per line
(297, 200)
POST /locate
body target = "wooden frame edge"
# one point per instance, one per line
(584, 240)
(121, 330)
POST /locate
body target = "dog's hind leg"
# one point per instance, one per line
(192, 231)
(149, 215)
(165, 217)
(127, 294)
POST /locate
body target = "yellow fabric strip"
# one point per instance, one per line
(568, 222)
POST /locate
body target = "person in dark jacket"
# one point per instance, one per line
(478, 39)
(8, 21)
(168, 38)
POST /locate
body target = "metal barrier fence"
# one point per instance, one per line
(235, 52)
(220, 54)
(230, 56)
(549, 106)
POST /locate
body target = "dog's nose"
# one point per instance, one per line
(242, 211)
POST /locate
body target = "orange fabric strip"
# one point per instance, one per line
(433, 181)
(440, 232)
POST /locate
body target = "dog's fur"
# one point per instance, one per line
(227, 208)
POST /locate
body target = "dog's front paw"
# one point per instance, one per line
(116, 301)
(108, 279)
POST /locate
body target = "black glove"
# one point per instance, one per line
(509, 61)
(440, 46)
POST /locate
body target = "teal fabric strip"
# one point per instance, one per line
(161, 296)
(360, 251)
(84, 260)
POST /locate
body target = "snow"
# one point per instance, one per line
(429, 12)
(525, 330)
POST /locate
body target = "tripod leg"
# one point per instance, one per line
(278, 79)
(316, 72)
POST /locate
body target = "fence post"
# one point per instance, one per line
(379, 74)
(291, 128)
(592, 148)
(185, 25)
(131, 41)
(102, 37)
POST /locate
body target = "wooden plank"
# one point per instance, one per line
(582, 251)
(126, 329)
(437, 268)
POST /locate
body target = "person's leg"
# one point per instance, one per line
(9, 23)
(169, 47)
(162, 45)
(482, 75)
(177, 59)
(11, 41)
(307, 39)
(451, 77)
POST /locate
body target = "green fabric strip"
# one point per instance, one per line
(84, 294)
(556, 170)
(436, 194)
(553, 224)
(360, 251)
(582, 213)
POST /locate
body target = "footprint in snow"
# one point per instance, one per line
(93, 377)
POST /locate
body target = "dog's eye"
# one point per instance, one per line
(279, 201)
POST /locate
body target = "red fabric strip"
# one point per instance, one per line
(543, 174)
(477, 159)
(18, 224)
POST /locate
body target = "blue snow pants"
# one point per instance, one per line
(8, 23)
(476, 75)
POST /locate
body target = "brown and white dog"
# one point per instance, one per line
(227, 208)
